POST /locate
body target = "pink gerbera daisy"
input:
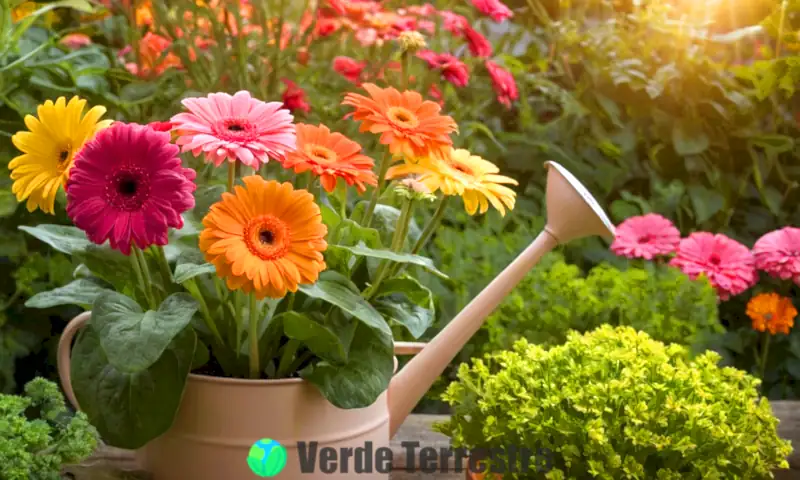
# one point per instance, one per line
(778, 253)
(237, 127)
(727, 264)
(646, 236)
(128, 186)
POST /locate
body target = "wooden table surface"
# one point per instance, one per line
(115, 464)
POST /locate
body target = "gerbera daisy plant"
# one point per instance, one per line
(265, 266)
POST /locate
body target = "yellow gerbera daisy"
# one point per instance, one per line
(49, 147)
(460, 173)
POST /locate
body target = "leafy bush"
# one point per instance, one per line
(38, 435)
(619, 405)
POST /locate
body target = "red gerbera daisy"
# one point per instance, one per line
(646, 236)
(727, 264)
(128, 186)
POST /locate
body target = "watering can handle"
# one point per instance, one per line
(64, 353)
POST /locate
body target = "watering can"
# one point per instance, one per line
(236, 429)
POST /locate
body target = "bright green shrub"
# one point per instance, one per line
(38, 435)
(616, 404)
(556, 297)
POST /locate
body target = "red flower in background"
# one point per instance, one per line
(294, 98)
(453, 69)
(478, 44)
(495, 9)
(727, 264)
(778, 254)
(436, 93)
(454, 23)
(645, 236)
(349, 68)
(160, 126)
(503, 83)
(74, 41)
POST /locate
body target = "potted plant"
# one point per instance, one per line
(222, 314)
(613, 403)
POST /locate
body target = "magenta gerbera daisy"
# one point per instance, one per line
(778, 253)
(646, 236)
(128, 186)
(237, 127)
(727, 264)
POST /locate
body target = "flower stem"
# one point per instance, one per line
(163, 266)
(194, 290)
(384, 167)
(146, 273)
(406, 65)
(137, 268)
(427, 233)
(400, 231)
(289, 351)
(290, 305)
(255, 370)
(231, 175)
(764, 354)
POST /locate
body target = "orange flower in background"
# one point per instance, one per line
(408, 124)
(771, 312)
(265, 238)
(144, 13)
(151, 48)
(330, 156)
(74, 41)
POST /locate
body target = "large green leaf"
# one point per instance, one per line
(8, 203)
(705, 202)
(130, 408)
(133, 340)
(108, 264)
(408, 303)
(689, 138)
(81, 292)
(191, 264)
(349, 233)
(365, 251)
(63, 238)
(318, 337)
(359, 382)
(338, 290)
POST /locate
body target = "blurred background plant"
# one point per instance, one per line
(685, 109)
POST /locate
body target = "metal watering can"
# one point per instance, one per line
(222, 422)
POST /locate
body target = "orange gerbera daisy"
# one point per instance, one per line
(266, 238)
(409, 125)
(770, 311)
(330, 155)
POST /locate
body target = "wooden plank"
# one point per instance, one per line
(788, 412)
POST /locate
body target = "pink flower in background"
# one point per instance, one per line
(427, 26)
(478, 44)
(453, 69)
(646, 236)
(128, 186)
(503, 83)
(436, 94)
(422, 10)
(495, 9)
(454, 23)
(778, 253)
(294, 98)
(349, 68)
(727, 264)
(74, 41)
(237, 127)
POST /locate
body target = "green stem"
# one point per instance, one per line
(137, 269)
(427, 233)
(237, 318)
(289, 351)
(764, 354)
(163, 266)
(400, 231)
(194, 290)
(406, 66)
(290, 305)
(146, 273)
(299, 361)
(384, 167)
(231, 175)
(255, 370)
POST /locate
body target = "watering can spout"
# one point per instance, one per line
(572, 213)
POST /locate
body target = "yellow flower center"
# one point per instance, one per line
(402, 117)
(267, 237)
(321, 154)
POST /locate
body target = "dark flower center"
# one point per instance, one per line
(266, 237)
(714, 259)
(645, 239)
(63, 156)
(235, 127)
(128, 189)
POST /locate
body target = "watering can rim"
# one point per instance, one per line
(585, 194)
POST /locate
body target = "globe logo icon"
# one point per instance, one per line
(266, 458)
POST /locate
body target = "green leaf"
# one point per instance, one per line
(773, 143)
(108, 264)
(191, 264)
(8, 203)
(138, 92)
(81, 292)
(338, 290)
(364, 377)
(320, 339)
(133, 340)
(706, 203)
(362, 250)
(130, 408)
(63, 238)
(206, 196)
(689, 139)
(408, 303)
